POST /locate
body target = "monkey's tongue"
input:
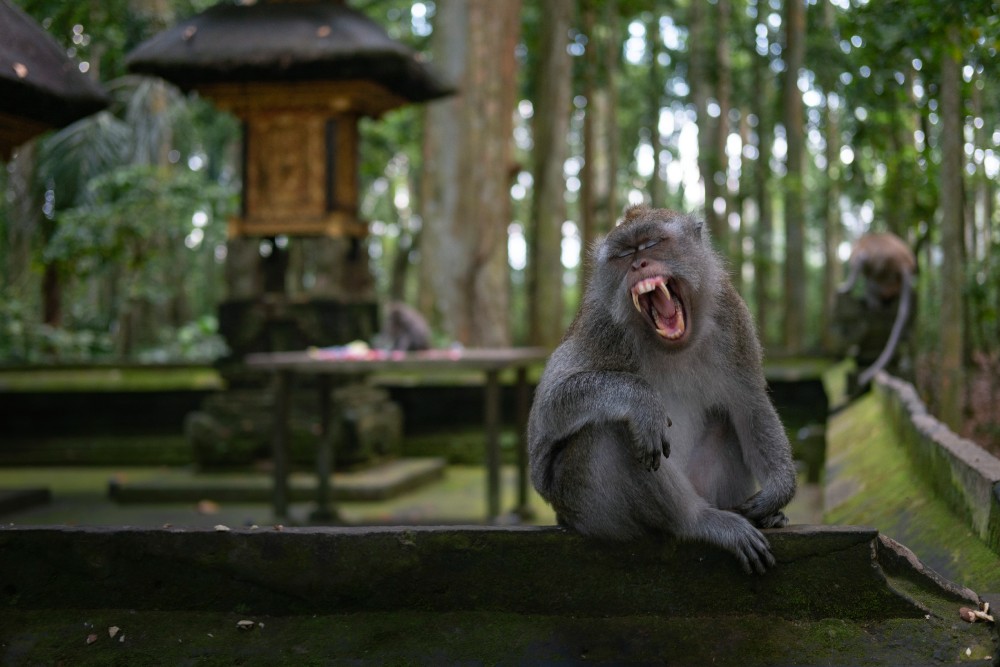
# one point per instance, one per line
(667, 314)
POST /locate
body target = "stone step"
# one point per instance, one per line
(379, 482)
(487, 595)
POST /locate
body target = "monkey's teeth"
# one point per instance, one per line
(645, 286)
(663, 286)
(635, 300)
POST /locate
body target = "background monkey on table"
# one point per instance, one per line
(888, 267)
(405, 328)
(652, 416)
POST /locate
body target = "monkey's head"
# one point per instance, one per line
(653, 272)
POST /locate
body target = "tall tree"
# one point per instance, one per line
(464, 247)
(588, 173)
(795, 271)
(550, 123)
(700, 82)
(718, 160)
(952, 382)
(612, 61)
(438, 293)
(599, 176)
(763, 259)
(833, 227)
(653, 48)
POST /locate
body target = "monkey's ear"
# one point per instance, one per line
(697, 227)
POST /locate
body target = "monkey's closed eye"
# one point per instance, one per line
(642, 246)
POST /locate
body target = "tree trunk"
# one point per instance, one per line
(442, 247)
(738, 205)
(612, 60)
(24, 218)
(467, 196)
(763, 258)
(795, 271)
(598, 178)
(700, 82)
(833, 232)
(951, 375)
(654, 102)
(550, 124)
(719, 160)
(588, 173)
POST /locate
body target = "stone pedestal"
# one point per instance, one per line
(296, 294)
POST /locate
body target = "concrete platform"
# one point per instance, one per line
(380, 482)
(439, 595)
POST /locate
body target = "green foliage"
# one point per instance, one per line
(24, 340)
(196, 341)
(117, 226)
(136, 210)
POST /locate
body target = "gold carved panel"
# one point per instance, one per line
(286, 165)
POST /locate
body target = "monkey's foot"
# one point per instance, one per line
(735, 534)
(761, 512)
(776, 520)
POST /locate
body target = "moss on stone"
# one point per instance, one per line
(881, 487)
(414, 638)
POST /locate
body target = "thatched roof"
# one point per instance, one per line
(38, 82)
(296, 41)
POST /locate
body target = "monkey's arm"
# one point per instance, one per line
(853, 271)
(768, 453)
(902, 314)
(567, 405)
(762, 438)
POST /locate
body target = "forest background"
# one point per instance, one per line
(792, 126)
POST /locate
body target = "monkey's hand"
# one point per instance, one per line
(762, 513)
(648, 434)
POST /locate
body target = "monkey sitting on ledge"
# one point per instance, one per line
(652, 416)
(888, 267)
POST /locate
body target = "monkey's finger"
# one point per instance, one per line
(758, 553)
(760, 559)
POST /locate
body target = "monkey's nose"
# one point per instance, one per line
(639, 264)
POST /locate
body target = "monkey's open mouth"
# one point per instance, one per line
(664, 308)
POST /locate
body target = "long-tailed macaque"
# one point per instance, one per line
(405, 328)
(652, 416)
(888, 266)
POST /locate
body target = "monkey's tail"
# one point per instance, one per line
(902, 313)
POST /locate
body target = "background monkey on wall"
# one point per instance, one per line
(888, 268)
(652, 416)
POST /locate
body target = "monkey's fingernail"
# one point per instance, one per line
(669, 423)
(635, 300)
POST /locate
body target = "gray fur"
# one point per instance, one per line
(630, 435)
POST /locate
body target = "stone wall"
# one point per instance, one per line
(965, 475)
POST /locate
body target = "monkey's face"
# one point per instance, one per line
(656, 269)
